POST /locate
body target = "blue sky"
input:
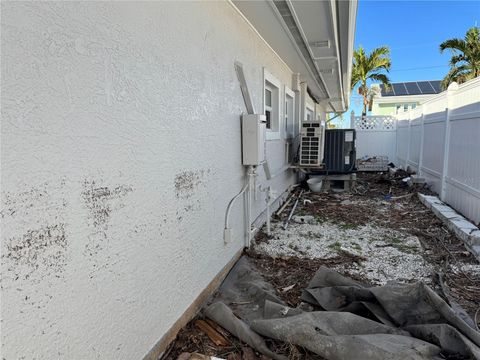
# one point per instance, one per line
(413, 30)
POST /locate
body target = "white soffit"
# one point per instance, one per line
(304, 35)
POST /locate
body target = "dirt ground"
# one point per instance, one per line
(376, 202)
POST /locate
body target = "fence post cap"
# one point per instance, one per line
(453, 86)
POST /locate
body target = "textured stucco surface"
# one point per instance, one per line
(120, 149)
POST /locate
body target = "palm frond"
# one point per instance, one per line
(369, 67)
(455, 45)
(382, 78)
(455, 59)
(457, 74)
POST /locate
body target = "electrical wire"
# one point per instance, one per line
(420, 68)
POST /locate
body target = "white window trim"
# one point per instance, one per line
(308, 107)
(277, 111)
(290, 93)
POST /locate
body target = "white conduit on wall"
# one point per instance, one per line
(227, 232)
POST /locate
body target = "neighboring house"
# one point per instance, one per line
(400, 97)
(121, 149)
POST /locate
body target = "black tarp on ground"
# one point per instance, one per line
(395, 321)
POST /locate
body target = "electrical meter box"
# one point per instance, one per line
(253, 139)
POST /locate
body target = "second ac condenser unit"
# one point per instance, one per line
(311, 143)
(340, 153)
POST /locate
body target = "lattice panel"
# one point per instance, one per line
(375, 123)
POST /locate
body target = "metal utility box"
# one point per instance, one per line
(253, 139)
(340, 152)
(311, 143)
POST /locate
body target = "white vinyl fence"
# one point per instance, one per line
(440, 140)
(376, 136)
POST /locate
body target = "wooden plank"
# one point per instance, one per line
(217, 338)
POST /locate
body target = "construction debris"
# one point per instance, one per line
(217, 338)
(196, 356)
(285, 225)
(276, 312)
(346, 319)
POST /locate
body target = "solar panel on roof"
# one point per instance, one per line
(399, 89)
(426, 87)
(388, 91)
(436, 86)
(412, 88)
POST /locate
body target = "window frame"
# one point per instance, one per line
(271, 83)
(308, 109)
(289, 113)
(268, 107)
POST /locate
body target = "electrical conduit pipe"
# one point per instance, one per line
(227, 232)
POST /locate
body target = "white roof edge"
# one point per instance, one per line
(352, 21)
(402, 98)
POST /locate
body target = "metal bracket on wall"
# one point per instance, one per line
(243, 86)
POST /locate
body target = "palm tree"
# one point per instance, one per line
(368, 68)
(465, 61)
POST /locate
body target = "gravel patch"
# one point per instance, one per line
(470, 269)
(378, 253)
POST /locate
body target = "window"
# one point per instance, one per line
(289, 113)
(271, 105)
(414, 105)
(405, 107)
(268, 106)
(397, 110)
(309, 114)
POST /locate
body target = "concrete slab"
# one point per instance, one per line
(416, 179)
(463, 229)
(450, 214)
(347, 179)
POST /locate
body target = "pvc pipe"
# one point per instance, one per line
(268, 211)
(227, 213)
(248, 231)
(268, 218)
(226, 231)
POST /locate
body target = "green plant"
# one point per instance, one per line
(356, 246)
(465, 60)
(400, 245)
(346, 226)
(336, 246)
(367, 68)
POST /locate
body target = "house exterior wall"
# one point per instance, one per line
(391, 108)
(388, 105)
(383, 109)
(120, 150)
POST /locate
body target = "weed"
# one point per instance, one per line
(356, 246)
(400, 245)
(336, 246)
(345, 226)
(407, 249)
(293, 247)
(320, 219)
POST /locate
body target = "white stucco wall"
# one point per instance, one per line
(120, 149)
